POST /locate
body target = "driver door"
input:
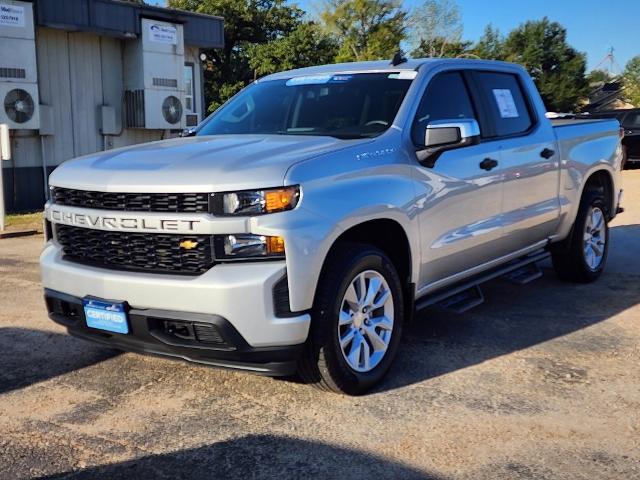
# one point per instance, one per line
(459, 204)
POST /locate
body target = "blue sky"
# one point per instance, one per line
(593, 26)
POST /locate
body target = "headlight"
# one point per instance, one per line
(255, 202)
(247, 246)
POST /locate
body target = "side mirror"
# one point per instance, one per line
(443, 135)
(189, 132)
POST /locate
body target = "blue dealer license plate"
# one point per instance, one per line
(103, 315)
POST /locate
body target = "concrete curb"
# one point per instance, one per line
(18, 233)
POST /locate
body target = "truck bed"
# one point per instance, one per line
(586, 130)
(564, 122)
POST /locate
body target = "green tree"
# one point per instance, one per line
(439, 47)
(490, 45)
(437, 27)
(306, 46)
(596, 77)
(556, 67)
(365, 29)
(246, 22)
(631, 81)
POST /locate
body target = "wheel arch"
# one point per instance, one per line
(392, 238)
(387, 235)
(602, 179)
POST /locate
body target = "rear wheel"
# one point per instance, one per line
(356, 321)
(583, 256)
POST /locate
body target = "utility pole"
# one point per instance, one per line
(608, 64)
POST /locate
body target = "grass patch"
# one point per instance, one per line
(24, 221)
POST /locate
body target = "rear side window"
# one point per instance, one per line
(506, 103)
(446, 98)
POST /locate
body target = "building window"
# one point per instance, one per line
(189, 88)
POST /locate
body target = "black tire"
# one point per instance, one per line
(568, 257)
(623, 164)
(322, 363)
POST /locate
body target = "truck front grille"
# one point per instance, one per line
(133, 202)
(145, 252)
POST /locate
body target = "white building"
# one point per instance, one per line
(80, 76)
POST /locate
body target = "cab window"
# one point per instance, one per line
(505, 100)
(446, 98)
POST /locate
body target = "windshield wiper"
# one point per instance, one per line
(341, 136)
(350, 136)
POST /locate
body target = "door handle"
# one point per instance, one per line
(547, 153)
(488, 164)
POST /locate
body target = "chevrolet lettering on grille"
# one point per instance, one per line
(113, 222)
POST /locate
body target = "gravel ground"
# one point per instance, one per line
(540, 382)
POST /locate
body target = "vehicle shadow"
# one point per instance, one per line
(513, 317)
(31, 356)
(254, 456)
(624, 255)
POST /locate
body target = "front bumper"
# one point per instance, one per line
(216, 342)
(243, 294)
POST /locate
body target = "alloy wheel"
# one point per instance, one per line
(365, 322)
(594, 238)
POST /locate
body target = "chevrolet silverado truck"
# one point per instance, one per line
(316, 210)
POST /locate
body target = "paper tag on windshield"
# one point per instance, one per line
(505, 102)
(308, 80)
(404, 75)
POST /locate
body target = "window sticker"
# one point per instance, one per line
(505, 102)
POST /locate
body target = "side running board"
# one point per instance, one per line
(525, 274)
(466, 295)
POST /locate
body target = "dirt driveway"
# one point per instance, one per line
(540, 382)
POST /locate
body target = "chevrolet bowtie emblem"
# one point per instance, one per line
(188, 244)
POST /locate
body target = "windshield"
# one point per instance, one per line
(342, 106)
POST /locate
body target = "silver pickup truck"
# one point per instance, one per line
(315, 211)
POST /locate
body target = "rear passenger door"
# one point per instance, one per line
(530, 208)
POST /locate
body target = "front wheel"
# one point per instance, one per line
(585, 253)
(356, 321)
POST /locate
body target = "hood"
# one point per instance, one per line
(194, 164)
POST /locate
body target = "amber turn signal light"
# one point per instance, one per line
(280, 199)
(275, 245)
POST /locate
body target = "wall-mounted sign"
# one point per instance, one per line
(11, 15)
(163, 33)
